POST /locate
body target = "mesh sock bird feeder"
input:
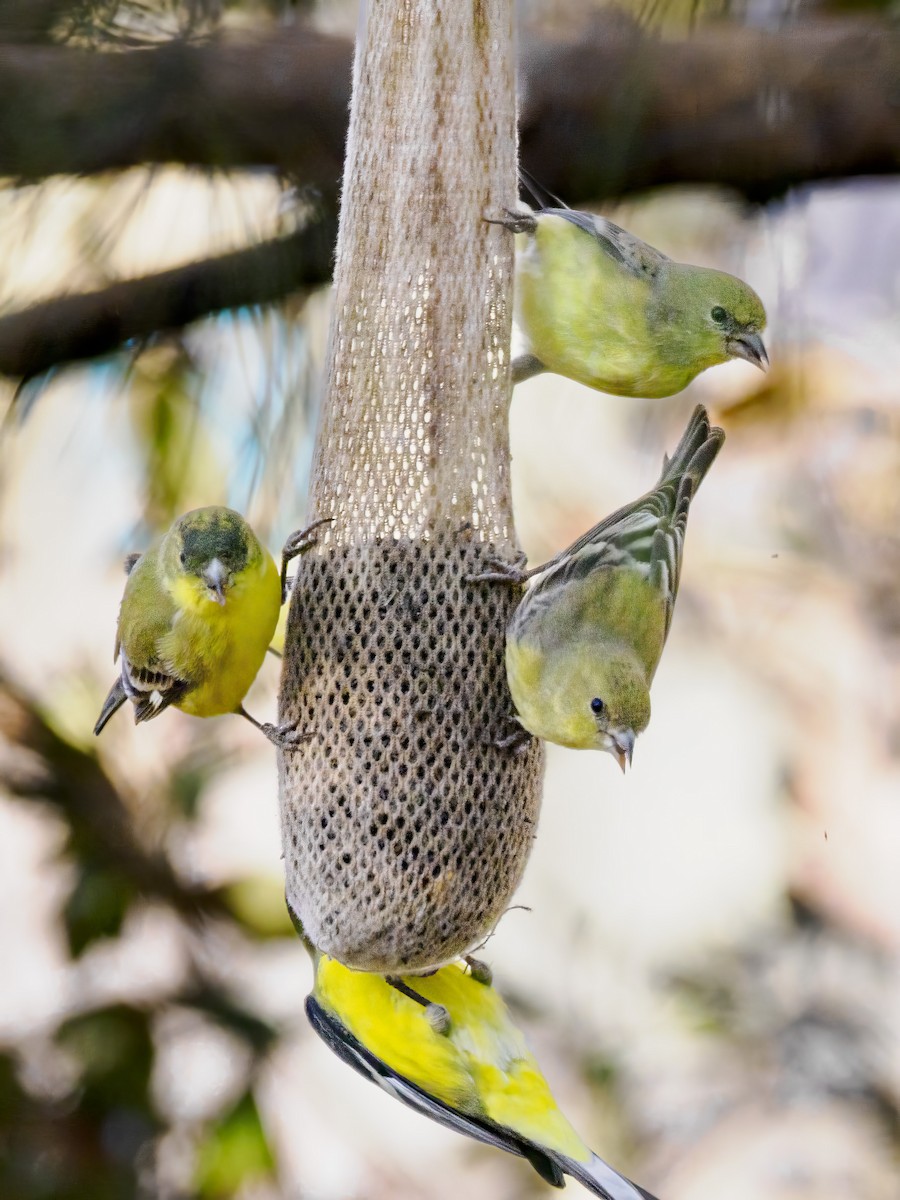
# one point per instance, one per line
(405, 828)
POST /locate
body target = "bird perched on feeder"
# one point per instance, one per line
(478, 1077)
(584, 643)
(196, 619)
(598, 305)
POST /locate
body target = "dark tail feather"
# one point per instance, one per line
(696, 451)
(598, 1177)
(542, 196)
(111, 704)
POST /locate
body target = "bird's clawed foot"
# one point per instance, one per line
(435, 1014)
(516, 220)
(299, 542)
(285, 737)
(479, 970)
(501, 571)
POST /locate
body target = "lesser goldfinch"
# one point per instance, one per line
(585, 641)
(196, 619)
(478, 1078)
(598, 305)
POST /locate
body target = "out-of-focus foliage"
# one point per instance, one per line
(80, 1112)
(234, 1152)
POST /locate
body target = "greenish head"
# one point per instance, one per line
(710, 316)
(619, 706)
(212, 546)
(592, 697)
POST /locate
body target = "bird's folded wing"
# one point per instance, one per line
(623, 539)
(629, 252)
(146, 616)
(151, 689)
(633, 527)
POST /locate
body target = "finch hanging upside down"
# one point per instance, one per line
(585, 641)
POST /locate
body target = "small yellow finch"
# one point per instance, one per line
(478, 1078)
(585, 641)
(598, 305)
(196, 619)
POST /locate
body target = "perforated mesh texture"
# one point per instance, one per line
(405, 832)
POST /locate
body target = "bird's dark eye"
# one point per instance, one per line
(719, 315)
(182, 558)
(597, 705)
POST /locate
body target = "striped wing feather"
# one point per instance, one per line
(646, 535)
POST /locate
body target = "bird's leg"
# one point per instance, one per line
(297, 543)
(479, 970)
(502, 571)
(526, 366)
(520, 221)
(436, 1015)
(515, 220)
(285, 737)
(275, 653)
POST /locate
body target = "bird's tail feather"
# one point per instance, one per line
(695, 453)
(680, 478)
(113, 702)
(600, 1178)
(542, 196)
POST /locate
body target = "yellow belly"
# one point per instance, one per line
(222, 646)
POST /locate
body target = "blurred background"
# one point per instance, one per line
(705, 955)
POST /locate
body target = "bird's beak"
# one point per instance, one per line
(748, 346)
(622, 747)
(214, 576)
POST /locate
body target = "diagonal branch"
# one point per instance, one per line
(69, 328)
(277, 101)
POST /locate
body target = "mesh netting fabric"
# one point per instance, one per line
(405, 830)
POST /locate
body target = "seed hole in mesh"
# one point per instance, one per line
(406, 828)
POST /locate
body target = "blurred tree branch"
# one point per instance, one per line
(29, 20)
(278, 101)
(606, 111)
(617, 110)
(70, 328)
